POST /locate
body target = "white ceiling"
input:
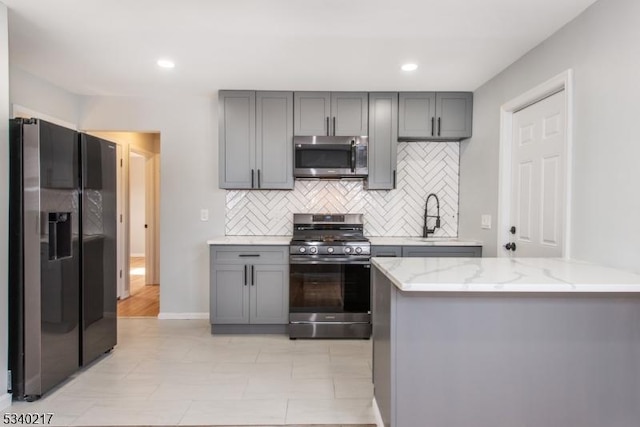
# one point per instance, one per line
(107, 47)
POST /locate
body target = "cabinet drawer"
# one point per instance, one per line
(386, 251)
(257, 255)
(442, 251)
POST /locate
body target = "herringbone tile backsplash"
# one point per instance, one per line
(423, 168)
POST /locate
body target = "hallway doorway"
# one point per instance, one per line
(138, 247)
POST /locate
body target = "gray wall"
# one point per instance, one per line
(602, 46)
(4, 197)
(41, 96)
(188, 183)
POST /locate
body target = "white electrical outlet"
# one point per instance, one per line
(485, 222)
(204, 214)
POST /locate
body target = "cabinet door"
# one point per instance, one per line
(386, 251)
(349, 113)
(236, 138)
(442, 251)
(274, 140)
(454, 111)
(383, 141)
(229, 294)
(269, 301)
(311, 113)
(417, 112)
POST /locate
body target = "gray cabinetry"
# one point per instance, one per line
(435, 115)
(386, 251)
(330, 113)
(417, 112)
(249, 289)
(236, 138)
(255, 138)
(442, 251)
(383, 141)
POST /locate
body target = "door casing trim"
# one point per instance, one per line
(562, 81)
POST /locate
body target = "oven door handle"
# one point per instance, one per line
(302, 259)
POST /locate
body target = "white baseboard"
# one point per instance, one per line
(137, 255)
(183, 316)
(377, 414)
(5, 401)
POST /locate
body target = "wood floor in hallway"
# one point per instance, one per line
(144, 300)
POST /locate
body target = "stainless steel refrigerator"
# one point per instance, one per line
(62, 249)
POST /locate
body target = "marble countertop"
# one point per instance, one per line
(504, 275)
(250, 240)
(421, 241)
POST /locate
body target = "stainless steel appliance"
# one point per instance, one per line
(62, 253)
(330, 156)
(330, 284)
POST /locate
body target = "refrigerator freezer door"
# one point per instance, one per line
(98, 260)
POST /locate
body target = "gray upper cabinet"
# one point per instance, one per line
(435, 116)
(256, 140)
(236, 138)
(417, 113)
(383, 140)
(274, 140)
(454, 111)
(312, 113)
(330, 113)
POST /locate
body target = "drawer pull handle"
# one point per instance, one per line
(249, 255)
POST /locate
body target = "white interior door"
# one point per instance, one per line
(538, 179)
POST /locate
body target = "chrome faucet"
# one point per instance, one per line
(426, 230)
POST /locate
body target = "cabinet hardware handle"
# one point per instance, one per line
(251, 178)
(394, 179)
(433, 125)
(253, 276)
(328, 126)
(244, 276)
(258, 178)
(439, 125)
(249, 255)
(334, 125)
(353, 155)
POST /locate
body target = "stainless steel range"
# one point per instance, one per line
(330, 284)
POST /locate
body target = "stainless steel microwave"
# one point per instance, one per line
(330, 156)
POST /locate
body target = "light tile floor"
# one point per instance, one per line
(174, 372)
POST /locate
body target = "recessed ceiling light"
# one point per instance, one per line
(166, 63)
(409, 67)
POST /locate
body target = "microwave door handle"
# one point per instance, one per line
(353, 156)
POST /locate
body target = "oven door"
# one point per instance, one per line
(337, 286)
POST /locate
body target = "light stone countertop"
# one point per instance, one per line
(250, 240)
(504, 275)
(421, 241)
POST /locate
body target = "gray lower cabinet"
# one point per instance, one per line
(249, 289)
(442, 251)
(435, 116)
(383, 141)
(330, 113)
(386, 251)
(255, 134)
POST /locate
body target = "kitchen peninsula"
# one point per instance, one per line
(503, 342)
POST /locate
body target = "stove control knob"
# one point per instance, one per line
(358, 250)
(330, 250)
(302, 249)
(348, 250)
(313, 250)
